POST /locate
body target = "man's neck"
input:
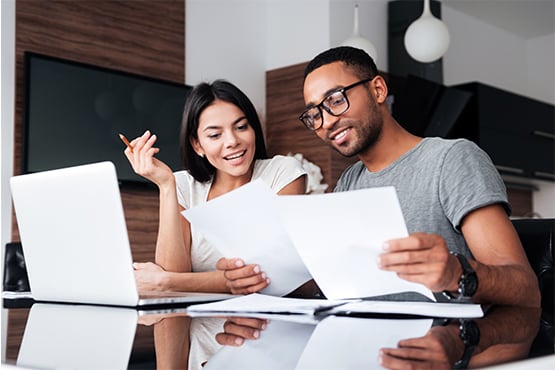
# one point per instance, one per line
(394, 141)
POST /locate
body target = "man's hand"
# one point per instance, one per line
(241, 278)
(438, 349)
(422, 258)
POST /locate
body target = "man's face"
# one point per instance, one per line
(359, 127)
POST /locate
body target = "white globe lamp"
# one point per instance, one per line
(359, 42)
(427, 38)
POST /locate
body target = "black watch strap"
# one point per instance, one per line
(468, 282)
(470, 335)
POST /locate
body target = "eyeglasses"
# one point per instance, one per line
(335, 103)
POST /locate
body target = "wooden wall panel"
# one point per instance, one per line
(146, 37)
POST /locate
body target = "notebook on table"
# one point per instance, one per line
(74, 236)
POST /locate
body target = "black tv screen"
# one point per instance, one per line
(74, 112)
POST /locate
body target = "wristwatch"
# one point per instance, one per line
(468, 282)
(470, 335)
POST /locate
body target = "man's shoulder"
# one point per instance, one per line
(440, 148)
(447, 144)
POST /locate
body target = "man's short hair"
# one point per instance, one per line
(362, 64)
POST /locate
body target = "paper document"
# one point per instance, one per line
(428, 309)
(261, 303)
(334, 238)
(340, 235)
(244, 223)
(264, 304)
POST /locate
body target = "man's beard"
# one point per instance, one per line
(367, 135)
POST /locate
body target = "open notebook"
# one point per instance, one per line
(74, 237)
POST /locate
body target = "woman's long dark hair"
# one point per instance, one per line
(202, 96)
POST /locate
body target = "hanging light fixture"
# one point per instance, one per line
(357, 41)
(427, 38)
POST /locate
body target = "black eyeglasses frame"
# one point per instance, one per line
(321, 105)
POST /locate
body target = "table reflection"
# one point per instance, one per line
(506, 334)
(94, 337)
(68, 336)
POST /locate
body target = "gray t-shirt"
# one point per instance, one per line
(438, 183)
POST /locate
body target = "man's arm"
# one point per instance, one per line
(504, 273)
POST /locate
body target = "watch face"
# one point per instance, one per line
(468, 284)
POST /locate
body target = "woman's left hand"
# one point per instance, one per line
(241, 278)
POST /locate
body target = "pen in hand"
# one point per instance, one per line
(124, 139)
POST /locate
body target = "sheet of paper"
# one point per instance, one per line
(244, 223)
(340, 235)
(262, 303)
(351, 343)
(428, 309)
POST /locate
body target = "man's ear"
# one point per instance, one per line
(379, 87)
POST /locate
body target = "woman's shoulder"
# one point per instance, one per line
(183, 176)
(279, 161)
(184, 180)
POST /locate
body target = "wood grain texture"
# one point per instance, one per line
(146, 37)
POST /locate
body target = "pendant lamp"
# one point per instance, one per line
(357, 41)
(427, 38)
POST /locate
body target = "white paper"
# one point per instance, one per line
(351, 343)
(340, 235)
(244, 223)
(264, 304)
(261, 303)
(429, 309)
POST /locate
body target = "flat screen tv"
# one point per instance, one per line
(73, 113)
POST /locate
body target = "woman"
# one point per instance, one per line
(223, 148)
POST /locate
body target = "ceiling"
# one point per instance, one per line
(524, 18)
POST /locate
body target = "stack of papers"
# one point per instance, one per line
(256, 304)
(334, 238)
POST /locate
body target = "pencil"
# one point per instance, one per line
(124, 139)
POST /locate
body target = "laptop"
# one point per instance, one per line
(75, 242)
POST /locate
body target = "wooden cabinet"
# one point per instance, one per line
(516, 131)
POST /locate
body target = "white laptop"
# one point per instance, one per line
(75, 242)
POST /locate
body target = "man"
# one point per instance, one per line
(461, 242)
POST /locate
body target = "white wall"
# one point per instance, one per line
(226, 39)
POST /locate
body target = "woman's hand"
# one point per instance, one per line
(241, 278)
(237, 329)
(145, 164)
(149, 276)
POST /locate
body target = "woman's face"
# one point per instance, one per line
(226, 139)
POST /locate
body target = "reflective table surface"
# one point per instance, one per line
(62, 336)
